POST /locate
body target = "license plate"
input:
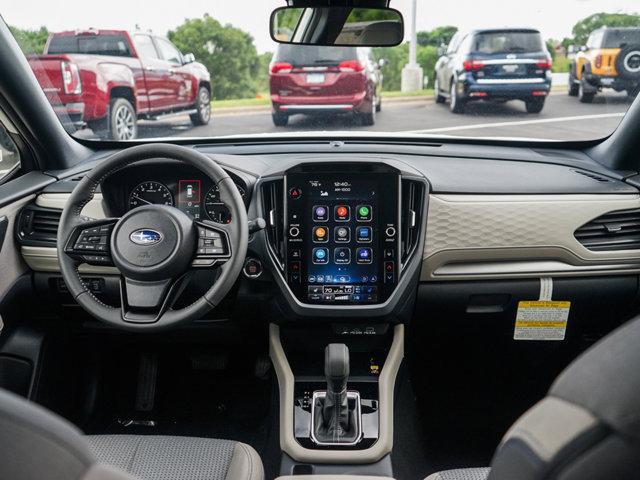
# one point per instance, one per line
(510, 68)
(606, 81)
(315, 78)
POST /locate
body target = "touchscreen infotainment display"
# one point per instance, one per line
(342, 236)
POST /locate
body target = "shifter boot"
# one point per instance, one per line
(335, 415)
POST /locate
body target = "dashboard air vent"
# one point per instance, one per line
(612, 231)
(38, 226)
(273, 212)
(412, 202)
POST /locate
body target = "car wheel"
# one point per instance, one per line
(456, 104)
(437, 92)
(574, 86)
(123, 124)
(368, 119)
(280, 120)
(534, 106)
(203, 115)
(584, 94)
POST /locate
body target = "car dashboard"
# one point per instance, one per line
(357, 235)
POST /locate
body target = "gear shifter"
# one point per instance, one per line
(336, 415)
(335, 411)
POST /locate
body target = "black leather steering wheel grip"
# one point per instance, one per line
(154, 247)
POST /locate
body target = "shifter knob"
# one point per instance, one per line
(336, 367)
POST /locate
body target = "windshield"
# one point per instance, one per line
(546, 70)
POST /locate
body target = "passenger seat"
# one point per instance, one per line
(588, 426)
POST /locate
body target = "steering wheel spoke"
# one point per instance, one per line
(89, 242)
(214, 246)
(146, 302)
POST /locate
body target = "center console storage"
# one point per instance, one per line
(336, 396)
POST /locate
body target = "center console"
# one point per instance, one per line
(342, 233)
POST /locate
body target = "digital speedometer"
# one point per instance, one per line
(150, 193)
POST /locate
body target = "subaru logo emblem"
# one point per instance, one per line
(145, 236)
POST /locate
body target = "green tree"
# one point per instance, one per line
(30, 41)
(437, 36)
(584, 27)
(262, 78)
(397, 58)
(228, 53)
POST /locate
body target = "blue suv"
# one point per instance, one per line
(494, 64)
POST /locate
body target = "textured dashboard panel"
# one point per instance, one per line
(478, 228)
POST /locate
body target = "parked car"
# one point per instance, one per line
(324, 80)
(494, 64)
(611, 59)
(107, 79)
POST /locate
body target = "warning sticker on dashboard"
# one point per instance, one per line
(541, 320)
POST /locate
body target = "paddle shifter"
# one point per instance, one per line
(336, 411)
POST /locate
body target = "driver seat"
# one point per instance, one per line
(37, 444)
(586, 428)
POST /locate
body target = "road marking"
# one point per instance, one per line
(518, 123)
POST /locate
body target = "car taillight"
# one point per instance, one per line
(351, 66)
(71, 78)
(544, 63)
(599, 61)
(281, 67)
(472, 65)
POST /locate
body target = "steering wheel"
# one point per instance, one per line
(156, 248)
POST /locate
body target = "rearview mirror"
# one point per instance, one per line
(188, 58)
(337, 26)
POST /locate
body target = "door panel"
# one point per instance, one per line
(177, 82)
(155, 72)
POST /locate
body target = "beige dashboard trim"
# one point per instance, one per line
(94, 209)
(45, 259)
(515, 236)
(386, 385)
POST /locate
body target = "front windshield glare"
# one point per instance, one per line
(546, 70)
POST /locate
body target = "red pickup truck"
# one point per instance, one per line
(107, 79)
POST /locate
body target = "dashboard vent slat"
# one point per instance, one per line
(613, 231)
(411, 208)
(273, 210)
(38, 226)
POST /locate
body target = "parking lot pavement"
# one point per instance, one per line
(563, 118)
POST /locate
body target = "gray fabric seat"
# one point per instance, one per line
(155, 457)
(586, 428)
(36, 444)
(461, 474)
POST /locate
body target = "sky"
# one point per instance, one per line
(554, 18)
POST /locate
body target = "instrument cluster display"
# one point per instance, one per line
(198, 198)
